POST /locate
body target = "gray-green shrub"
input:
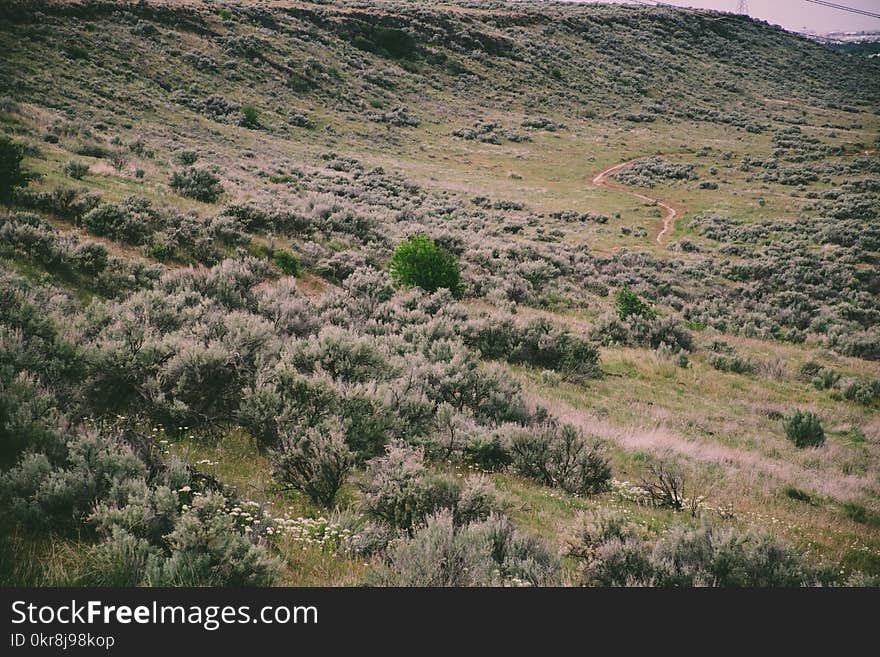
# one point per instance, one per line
(562, 457)
(198, 184)
(314, 461)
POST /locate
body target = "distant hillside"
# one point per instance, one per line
(580, 60)
(858, 48)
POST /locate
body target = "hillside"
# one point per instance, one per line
(667, 327)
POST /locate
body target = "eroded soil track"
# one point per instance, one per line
(601, 179)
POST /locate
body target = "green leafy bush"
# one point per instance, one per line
(628, 304)
(420, 262)
(287, 262)
(803, 428)
(12, 175)
(250, 116)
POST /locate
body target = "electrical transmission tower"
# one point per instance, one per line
(742, 7)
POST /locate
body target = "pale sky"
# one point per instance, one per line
(797, 14)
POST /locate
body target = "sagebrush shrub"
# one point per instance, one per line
(187, 158)
(76, 170)
(396, 490)
(862, 392)
(562, 457)
(120, 560)
(285, 398)
(615, 552)
(542, 345)
(368, 424)
(453, 375)
(486, 553)
(118, 222)
(487, 451)
(207, 549)
(60, 494)
(314, 461)
(522, 559)
(198, 184)
(90, 258)
(477, 500)
(400, 491)
(724, 557)
(28, 413)
(342, 354)
(119, 160)
(644, 331)
(199, 390)
(439, 554)
(451, 433)
(735, 364)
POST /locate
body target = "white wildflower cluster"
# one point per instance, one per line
(636, 494)
(769, 520)
(855, 545)
(630, 492)
(314, 532)
(516, 582)
(250, 517)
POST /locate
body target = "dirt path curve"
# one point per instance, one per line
(602, 180)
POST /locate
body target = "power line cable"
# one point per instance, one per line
(823, 3)
(853, 10)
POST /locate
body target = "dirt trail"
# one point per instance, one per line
(601, 180)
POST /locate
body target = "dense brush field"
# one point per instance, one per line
(335, 293)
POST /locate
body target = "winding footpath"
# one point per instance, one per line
(602, 180)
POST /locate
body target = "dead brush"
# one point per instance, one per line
(664, 486)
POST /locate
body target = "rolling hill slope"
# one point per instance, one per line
(195, 287)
